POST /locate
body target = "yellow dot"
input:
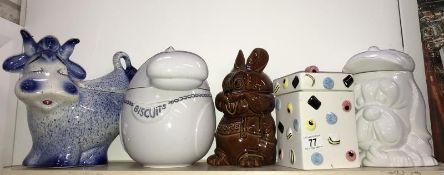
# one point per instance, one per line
(310, 125)
(290, 108)
(285, 83)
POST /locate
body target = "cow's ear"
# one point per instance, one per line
(75, 70)
(15, 63)
(67, 48)
(29, 45)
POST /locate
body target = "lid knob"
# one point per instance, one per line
(170, 49)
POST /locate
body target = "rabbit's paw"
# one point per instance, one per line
(251, 160)
(218, 159)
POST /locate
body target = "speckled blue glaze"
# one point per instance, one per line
(72, 122)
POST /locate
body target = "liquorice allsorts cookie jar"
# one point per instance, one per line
(168, 117)
(72, 121)
(316, 120)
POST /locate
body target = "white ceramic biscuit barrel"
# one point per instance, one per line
(168, 117)
(315, 120)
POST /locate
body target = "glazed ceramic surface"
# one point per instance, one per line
(316, 120)
(246, 134)
(168, 117)
(390, 110)
(72, 122)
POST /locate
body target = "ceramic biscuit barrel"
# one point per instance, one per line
(168, 118)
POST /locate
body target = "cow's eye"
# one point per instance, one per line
(29, 85)
(63, 72)
(70, 88)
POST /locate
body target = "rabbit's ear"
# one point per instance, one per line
(240, 60)
(257, 60)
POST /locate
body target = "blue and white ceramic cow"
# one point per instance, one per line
(72, 122)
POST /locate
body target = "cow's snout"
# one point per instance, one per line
(47, 102)
(52, 98)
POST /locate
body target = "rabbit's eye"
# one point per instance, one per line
(238, 83)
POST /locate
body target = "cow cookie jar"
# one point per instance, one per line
(390, 110)
(72, 122)
(168, 117)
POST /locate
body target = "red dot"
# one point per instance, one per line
(346, 105)
(350, 155)
(312, 69)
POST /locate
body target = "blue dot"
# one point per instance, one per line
(328, 83)
(278, 104)
(331, 118)
(70, 88)
(317, 159)
(29, 85)
(295, 124)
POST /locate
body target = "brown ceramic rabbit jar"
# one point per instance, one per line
(246, 134)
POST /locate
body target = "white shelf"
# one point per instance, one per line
(201, 168)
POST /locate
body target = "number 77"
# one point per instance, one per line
(312, 142)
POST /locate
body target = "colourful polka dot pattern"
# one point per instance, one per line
(277, 104)
(312, 69)
(350, 155)
(317, 158)
(289, 108)
(296, 125)
(328, 83)
(346, 106)
(310, 125)
(331, 118)
(285, 83)
(280, 154)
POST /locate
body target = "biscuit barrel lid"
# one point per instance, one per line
(376, 59)
(172, 70)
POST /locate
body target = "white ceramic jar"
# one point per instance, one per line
(390, 110)
(168, 117)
